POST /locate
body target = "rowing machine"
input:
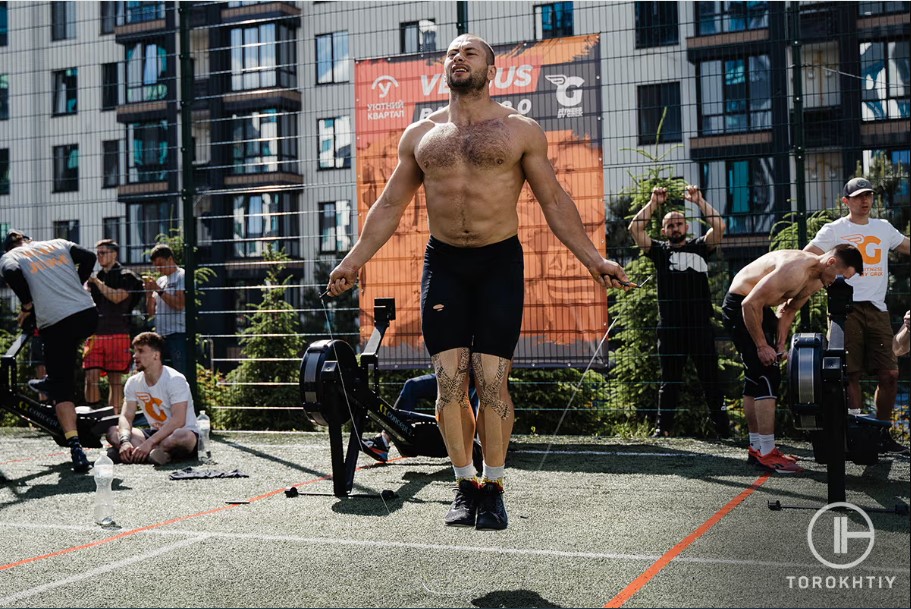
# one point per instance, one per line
(816, 383)
(91, 424)
(335, 389)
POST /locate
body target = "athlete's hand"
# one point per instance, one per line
(342, 278)
(767, 355)
(611, 275)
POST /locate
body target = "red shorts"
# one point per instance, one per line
(109, 352)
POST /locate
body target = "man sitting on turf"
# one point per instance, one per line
(787, 278)
(165, 398)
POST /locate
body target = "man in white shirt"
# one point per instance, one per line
(165, 399)
(868, 331)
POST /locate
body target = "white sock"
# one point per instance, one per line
(754, 440)
(494, 473)
(766, 443)
(465, 473)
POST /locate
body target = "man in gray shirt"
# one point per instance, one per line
(166, 300)
(48, 278)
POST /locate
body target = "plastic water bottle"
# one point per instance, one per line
(205, 426)
(104, 495)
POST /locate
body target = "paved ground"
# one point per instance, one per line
(594, 522)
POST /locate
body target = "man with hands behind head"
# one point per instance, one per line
(685, 309)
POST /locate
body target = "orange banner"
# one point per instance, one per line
(556, 82)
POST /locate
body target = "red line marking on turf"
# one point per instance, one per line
(23, 459)
(164, 523)
(637, 584)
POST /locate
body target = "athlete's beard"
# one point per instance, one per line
(675, 239)
(475, 82)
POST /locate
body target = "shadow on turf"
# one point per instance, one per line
(375, 505)
(874, 482)
(513, 598)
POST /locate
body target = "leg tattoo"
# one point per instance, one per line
(489, 388)
(451, 386)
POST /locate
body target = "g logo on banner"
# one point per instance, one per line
(841, 535)
(563, 83)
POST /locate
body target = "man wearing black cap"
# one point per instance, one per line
(868, 332)
(116, 292)
(47, 276)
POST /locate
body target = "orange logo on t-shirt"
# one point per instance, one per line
(873, 256)
(150, 405)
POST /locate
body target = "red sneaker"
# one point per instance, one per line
(777, 462)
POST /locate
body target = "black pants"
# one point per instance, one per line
(675, 345)
(61, 343)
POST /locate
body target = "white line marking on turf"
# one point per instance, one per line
(619, 453)
(115, 566)
(443, 548)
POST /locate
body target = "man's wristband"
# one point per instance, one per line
(124, 439)
(159, 292)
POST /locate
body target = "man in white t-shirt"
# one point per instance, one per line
(868, 331)
(164, 396)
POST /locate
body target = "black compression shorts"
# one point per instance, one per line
(473, 297)
(760, 382)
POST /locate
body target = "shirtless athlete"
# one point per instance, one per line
(787, 278)
(473, 158)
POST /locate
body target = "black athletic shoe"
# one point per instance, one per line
(80, 462)
(376, 448)
(464, 508)
(491, 511)
(38, 385)
(888, 445)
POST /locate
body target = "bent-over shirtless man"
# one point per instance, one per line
(787, 278)
(473, 158)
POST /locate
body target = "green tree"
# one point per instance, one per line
(266, 382)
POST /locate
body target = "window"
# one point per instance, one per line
(886, 87)
(335, 143)
(111, 15)
(332, 58)
(866, 9)
(735, 95)
(111, 163)
(262, 56)
(419, 36)
(147, 151)
(110, 228)
(656, 24)
(4, 171)
(65, 84)
(147, 65)
(4, 24)
(727, 16)
(145, 221)
(335, 227)
(67, 229)
(141, 11)
(263, 220)
(898, 163)
(553, 20)
(264, 141)
(66, 168)
(749, 193)
(4, 97)
(659, 103)
(110, 83)
(63, 20)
